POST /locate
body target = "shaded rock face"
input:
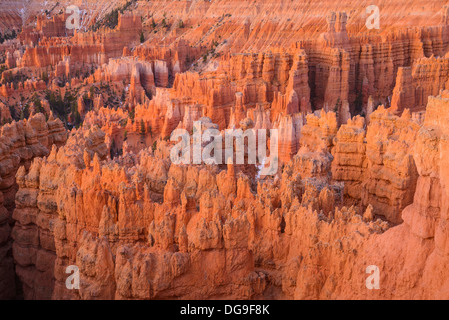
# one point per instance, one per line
(415, 84)
(376, 163)
(20, 143)
(169, 60)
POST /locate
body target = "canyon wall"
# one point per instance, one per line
(20, 143)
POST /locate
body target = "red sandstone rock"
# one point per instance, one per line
(350, 192)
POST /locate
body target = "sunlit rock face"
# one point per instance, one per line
(358, 118)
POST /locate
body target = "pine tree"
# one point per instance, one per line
(142, 127)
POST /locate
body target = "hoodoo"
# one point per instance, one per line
(224, 150)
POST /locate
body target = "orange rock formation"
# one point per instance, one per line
(362, 120)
